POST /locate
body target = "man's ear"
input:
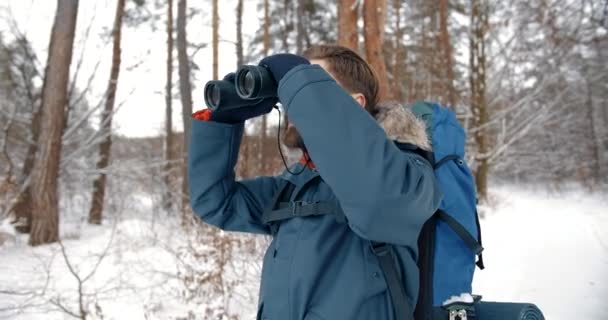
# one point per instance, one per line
(360, 98)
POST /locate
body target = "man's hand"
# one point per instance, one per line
(244, 113)
(280, 64)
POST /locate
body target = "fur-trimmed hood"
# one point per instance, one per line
(402, 125)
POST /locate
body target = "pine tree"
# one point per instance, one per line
(45, 204)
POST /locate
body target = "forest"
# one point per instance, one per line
(96, 99)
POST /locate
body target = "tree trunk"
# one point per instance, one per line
(215, 27)
(99, 185)
(300, 29)
(447, 62)
(239, 33)
(347, 24)
(45, 200)
(286, 25)
(594, 177)
(169, 145)
(373, 18)
(185, 91)
(261, 158)
(479, 23)
(599, 115)
(399, 54)
(266, 36)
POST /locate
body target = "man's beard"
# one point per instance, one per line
(292, 138)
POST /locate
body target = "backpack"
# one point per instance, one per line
(451, 238)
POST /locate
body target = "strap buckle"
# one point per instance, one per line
(295, 205)
(380, 249)
(458, 314)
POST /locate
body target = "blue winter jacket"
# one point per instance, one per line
(315, 267)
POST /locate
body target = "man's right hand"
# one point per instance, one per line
(246, 112)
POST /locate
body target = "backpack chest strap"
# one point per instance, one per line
(293, 209)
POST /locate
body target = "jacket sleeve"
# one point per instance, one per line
(215, 196)
(386, 194)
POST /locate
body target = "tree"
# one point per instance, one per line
(479, 26)
(105, 147)
(215, 30)
(169, 144)
(318, 25)
(545, 58)
(373, 17)
(239, 34)
(348, 35)
(23, 71)
(45, 204)
(446, 60)
(185, 90)
(264, 121)
(300, 29)
(399, 54)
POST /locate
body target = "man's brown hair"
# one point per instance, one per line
(350, 70)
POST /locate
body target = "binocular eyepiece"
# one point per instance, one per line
(250, 85)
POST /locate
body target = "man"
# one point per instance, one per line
(322, 266)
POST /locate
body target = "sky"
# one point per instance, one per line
(142, 78)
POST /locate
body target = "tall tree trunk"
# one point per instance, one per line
(264, 121)
(594, 177)
(399, 60)
(185, 91)
(99, 185)
(45, 200)
(215, 25)
(300, 29)
(599, 113)
(239, 33)
(286, 25)
(266, 26)
(373, 18)
(169, 145)
(347, 24)
(479, 25)
(447, 61)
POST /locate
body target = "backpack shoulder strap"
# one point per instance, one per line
(396, 286)
(426, 256)
(474, 244)
(479, 262)
(459, 229)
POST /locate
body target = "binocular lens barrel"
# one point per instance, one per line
(253, 82)
(222, 95)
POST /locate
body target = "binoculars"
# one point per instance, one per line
(251, 85)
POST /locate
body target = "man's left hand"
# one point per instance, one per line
(280, 64)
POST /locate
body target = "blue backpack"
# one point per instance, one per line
(451, 238)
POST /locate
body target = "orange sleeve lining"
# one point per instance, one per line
(203, 115)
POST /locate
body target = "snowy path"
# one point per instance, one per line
(550, 250)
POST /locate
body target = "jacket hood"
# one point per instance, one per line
(401, 125)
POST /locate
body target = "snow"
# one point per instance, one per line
(547, 248)
(543, 247)
(462, 298)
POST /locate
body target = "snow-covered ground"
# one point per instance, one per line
(547, 248)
